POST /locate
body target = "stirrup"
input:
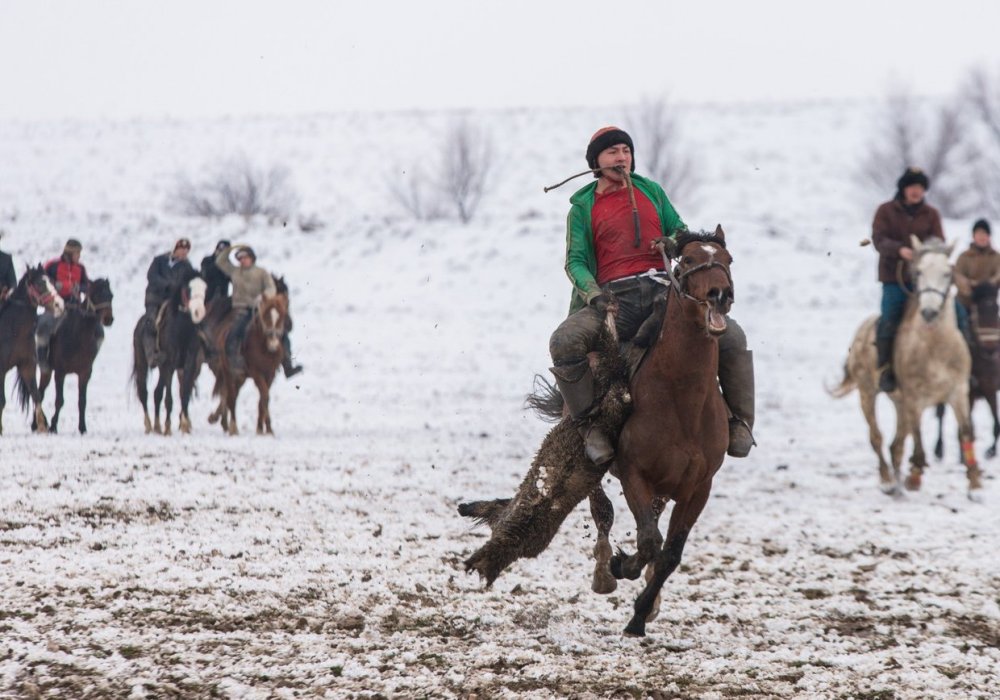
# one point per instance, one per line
(597, 445)
(887, 379)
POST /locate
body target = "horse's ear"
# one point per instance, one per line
(915, 243)
(719, 233)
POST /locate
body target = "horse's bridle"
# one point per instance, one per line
(942, 294)
(678, 282)
(39, 298)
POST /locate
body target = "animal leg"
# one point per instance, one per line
(640, 500)
(43, 382)
(918, 460)
(60, 378)
(991, 399)
(168, 403)
(939, 445)
(960, 405)
(603, 513)
(263, 406)
(904, 427)
(82, 402)
(39, 422)
(682, 519)
(875, 435)
(157, 401)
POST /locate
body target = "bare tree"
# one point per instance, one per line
(982, 93)
(411, 190)
(908, 134)
(655, 125)
(466, 168)
(237, 186)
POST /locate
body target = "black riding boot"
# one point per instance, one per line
(576, 384)
(737, 384)
(286, 362)
(886, 377)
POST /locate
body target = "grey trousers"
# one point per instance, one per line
(577, 335)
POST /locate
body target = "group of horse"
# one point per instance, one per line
(674, 429)
(191, 332)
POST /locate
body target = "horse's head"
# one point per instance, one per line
(271, 314)
(932, 274)
(193, 298)
(41, 292)
(703, 273)
(99, 298)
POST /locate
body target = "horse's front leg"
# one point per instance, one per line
(168, 402)
(640, 500)
(918, 460)
(904, 428)
(682, 519)
(960, 405)
(60, 379)
(232, 394)
(939, 445)
(39, 422)
(43, 382)
(875, 435)
(603, 513)
(82, 402)
(263, 406)
(991, 399)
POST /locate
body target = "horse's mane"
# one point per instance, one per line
(686, 237)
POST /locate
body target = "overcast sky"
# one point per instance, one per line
(119, 58)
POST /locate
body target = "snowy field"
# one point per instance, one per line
(326, 561)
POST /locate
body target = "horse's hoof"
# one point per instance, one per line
(991, 452)
(913, 481)
(603, 583)
(635, 628)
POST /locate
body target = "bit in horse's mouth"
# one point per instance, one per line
(715, 322)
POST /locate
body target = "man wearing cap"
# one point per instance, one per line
(8, 276)
(604, 250)
(165, 274)
(895, 221)
(250, 283)
(217, 281)
(70, 280)
(979, 265)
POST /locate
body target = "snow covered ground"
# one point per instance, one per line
(327, 560)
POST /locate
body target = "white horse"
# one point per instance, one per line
(932, 364)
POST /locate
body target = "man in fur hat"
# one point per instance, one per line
(979, 265)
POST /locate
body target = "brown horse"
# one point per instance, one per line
(74, 347)
(18, 318)
(676, 438)
(262, 353)
(985, 320)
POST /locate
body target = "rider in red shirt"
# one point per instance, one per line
(71, 282)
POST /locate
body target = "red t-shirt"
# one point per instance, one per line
(614, 235)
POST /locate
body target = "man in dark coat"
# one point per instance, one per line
(165, 273)
(905, 215)
(216, 279)
(8, 277)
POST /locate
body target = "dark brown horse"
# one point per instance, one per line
(985, 382)
(262, 353)
(676, 438)
(18, 318)
(181, 350)
(74, 347)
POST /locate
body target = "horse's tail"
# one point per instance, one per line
(23, 392)
(545, 400)
(846, 386)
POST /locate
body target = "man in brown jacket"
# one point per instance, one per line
(907, 214)
(980, 264)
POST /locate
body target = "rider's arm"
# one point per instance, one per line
(881, 237)
(580, 255)
(222, 262)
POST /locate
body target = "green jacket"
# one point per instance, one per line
(581, 261)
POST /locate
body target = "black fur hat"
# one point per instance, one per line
(984, 225)
(913, 176)
(606, 138)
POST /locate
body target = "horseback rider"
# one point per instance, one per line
(71, 282)
(165, 273)
(8, 277)
(217, 282)
(906, 214)
(250, 283)
(979, 265)
(607, 248)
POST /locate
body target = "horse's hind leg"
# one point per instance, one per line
(81, 401)
(991, 399)
(157, 401)
(603, 513)
(939, 445)
(168, 403)
(682, 519)
(875, 437)
(60, 379)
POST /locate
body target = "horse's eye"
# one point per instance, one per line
(687, 260)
